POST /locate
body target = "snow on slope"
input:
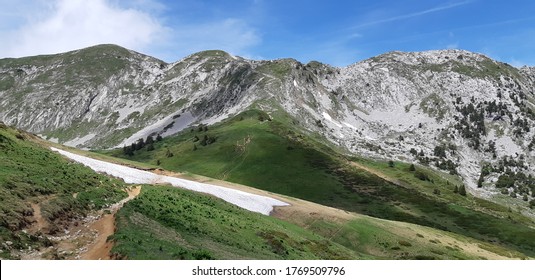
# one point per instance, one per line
(251, 202)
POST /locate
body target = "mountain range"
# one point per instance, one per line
(455, 110)
(400, 136)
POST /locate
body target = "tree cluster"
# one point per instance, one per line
(472, 124)
(140, 144)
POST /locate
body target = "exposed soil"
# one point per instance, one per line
(40, 223)
(83, 238)
(104, 227)
(100, 249)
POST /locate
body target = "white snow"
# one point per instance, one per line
(251, 202)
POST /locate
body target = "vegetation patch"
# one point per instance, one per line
(171, 223)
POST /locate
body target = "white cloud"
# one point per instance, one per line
(147, 26)
(72, 24)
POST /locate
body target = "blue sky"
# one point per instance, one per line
(334, 32)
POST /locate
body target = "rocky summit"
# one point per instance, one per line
(453, 110)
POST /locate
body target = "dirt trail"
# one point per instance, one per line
(105, 226)
(40, 222)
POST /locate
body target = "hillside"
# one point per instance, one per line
(42, 194)
(270, 155)
(147, 227)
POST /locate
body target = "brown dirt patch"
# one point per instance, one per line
(105, 227)
(40, 223)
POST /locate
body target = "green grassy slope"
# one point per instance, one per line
(170, 223)
(273, 156)
(30, 173)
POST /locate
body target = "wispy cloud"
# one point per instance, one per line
(413, 15)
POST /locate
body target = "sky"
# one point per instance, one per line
(334, 32)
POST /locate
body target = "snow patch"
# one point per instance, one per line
(252, 202)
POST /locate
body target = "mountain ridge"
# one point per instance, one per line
(451, 109)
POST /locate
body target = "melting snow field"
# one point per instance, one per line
(251, 202)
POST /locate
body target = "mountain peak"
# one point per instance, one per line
(432, 57)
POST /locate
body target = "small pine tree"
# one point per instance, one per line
(159, 138)
(127, 150)
(194, 147)
(204, 141)
(390, 163)
(168, 153)
(412, 168)
(456, 189)
(140, 144)
(462, 190)
(525, 197)
(158, 162)
(150, 147)
(149, 140)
